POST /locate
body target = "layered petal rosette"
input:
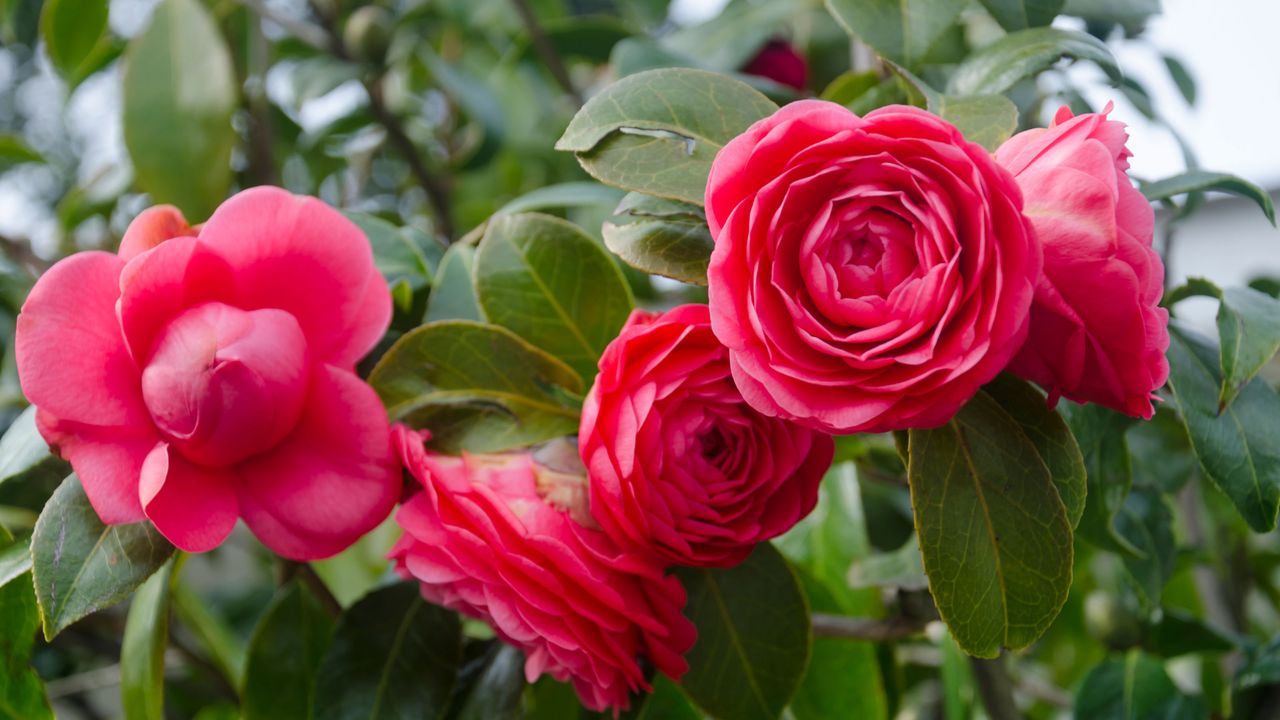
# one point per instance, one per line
(1098, 333)
(197, 377)
(678, 461)
(491, 537)
(870, 273)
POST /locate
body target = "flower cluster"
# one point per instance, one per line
(869, 274)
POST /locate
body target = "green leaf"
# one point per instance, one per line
(726, 42)
(496, 694)
(903, 568)
(15, 560)
(1046, 429)
(476, 100)
(1181, 77)
(1135, 687)
(179, 92)
(1178, 632)
(72, 29)
(397, 255)
(1249, 333)
(29, 473)
(843, 677)
(993, 529)
(453, 295)
(663, 237)
(285, 653)
(850, 85)
(1022, 14)
(564, 195)
(15, 151)
(666, 702)
(657, 131)
(81, 566)
(393, 656)
(1146, 522)
(753, 636)
(146, 636)
(477, 387)
(1101, 435)
(224, 648)
(1257, 677)
(548, 282)
(901, 31)
(1000, 65)
(22, 695)
(1203, 180)
(1237, 449)
(988, 120)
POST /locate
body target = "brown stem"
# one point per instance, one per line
(995, 688)
(870, 629)
(547, 51)
(261, 154)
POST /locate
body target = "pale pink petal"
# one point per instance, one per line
(331, 481)
(71, 358)
(194, 507)
(300, 255)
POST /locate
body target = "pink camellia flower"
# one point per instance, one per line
(494, 538)
(781, 63)
(870, 273)
(678, 461)
(196, 378)
(1098, 333)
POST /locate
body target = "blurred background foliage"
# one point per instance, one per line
(422, 118)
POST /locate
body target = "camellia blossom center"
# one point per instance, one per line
(223, 384)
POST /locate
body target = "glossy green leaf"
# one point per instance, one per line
(22, 695)
(496, 694)
(285, 653)
(1000, 65)
(1135, 687)
(81, 566)
(1257, 676)
(72, 29)
(478, 387)
(666, 702)
(146, 636)
(993, 529)
(550, 699)
(988, 120)
(753, 636)
(1100, 433)
(1237, 449)
(1146, 521)
(15, 151)
(657, 131)
(1248, 330)
(1022, 14)
(453, 293)
(179, 92)
(663, 237)
(902, 31)
(29, 472)
(1053, 440)
(849, 86)
(393, 656)
(1182, 78)
(547, 281)
(1202, 181)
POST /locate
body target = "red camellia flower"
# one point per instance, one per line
(484, 537)
(678, 461)
(870, 273)
(779, 62)
(195, 378)
(1098, 333)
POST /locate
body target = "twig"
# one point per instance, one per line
(870, 629)
(995, 688)
(261, 155)
(546, 50)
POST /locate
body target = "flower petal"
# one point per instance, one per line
(331, 481)
(194, 507)
(152, 227)
(300, 255)
(71, 357)
(108, 461)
